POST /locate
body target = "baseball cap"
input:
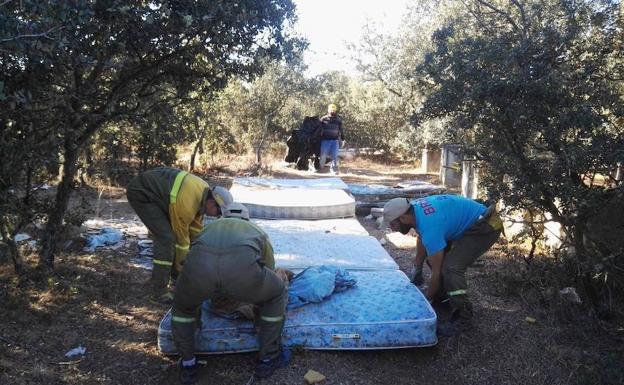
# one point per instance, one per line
(393, 209)
(222, 196)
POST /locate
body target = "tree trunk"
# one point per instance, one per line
(259, 154)
(89, 162)
(63, 192)
(260, 143)
(197, 148)
(13, 251)
(15, 256)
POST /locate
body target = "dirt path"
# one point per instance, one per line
(99, 301)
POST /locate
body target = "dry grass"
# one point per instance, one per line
(99, 301)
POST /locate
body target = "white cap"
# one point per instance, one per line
(393, 209)
(222, 196)
(235, 210)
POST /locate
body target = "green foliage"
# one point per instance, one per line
(71, 69)
(533, 91)
(388, 61)
(263, 111)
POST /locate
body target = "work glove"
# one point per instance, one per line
(416, 275)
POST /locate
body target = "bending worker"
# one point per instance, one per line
(453, 232)
(232, 258)
(172, 203)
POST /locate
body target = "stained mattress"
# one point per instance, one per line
(339, 242)
(324, 198)
(383, 311)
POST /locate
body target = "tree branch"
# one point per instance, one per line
(31, 35)
(522, 14)
(499, 11)
(477, 18)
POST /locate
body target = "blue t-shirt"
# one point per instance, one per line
(444, 218)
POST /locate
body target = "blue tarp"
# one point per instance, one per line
(316, 283)
(107, 237)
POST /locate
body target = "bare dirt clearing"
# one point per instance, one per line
(99, 301)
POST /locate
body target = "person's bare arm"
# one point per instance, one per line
(421, 254)
(415, 274)
(435, 262)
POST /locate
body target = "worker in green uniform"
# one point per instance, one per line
(172, 204)
(231, 258)
(453, 232)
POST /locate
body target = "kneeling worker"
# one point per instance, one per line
(231, 258)
(172, 204)
(453, 232)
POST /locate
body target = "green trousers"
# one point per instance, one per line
(234, 273)
(156, 219)
(462, 253)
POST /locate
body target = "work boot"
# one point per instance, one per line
(454, 326)
(165, 298)
(265, 368)
(187, 374)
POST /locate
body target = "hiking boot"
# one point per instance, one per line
(265, 368)
(454, 326)
(187, 374)
(163, 299)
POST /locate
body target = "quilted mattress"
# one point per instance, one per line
(316, 183)
(300, 244)
(383, 311)
(284, 199)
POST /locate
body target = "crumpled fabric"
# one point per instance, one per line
(316, 283)
(107, 237)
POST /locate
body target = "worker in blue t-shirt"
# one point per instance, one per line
(453, 232)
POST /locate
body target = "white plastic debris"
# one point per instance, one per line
(377, 212)
(19, 237)
(142, 262)
(369, 217)
(79, 351)
(570, 295)
(383, 241)
(146, 248)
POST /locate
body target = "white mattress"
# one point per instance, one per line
(281, 199)
(341, 242)
(383, 311)
(316, 183)
(344, 226)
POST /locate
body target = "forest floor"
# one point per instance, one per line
(100, 301)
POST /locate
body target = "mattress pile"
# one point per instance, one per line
(382, 311)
